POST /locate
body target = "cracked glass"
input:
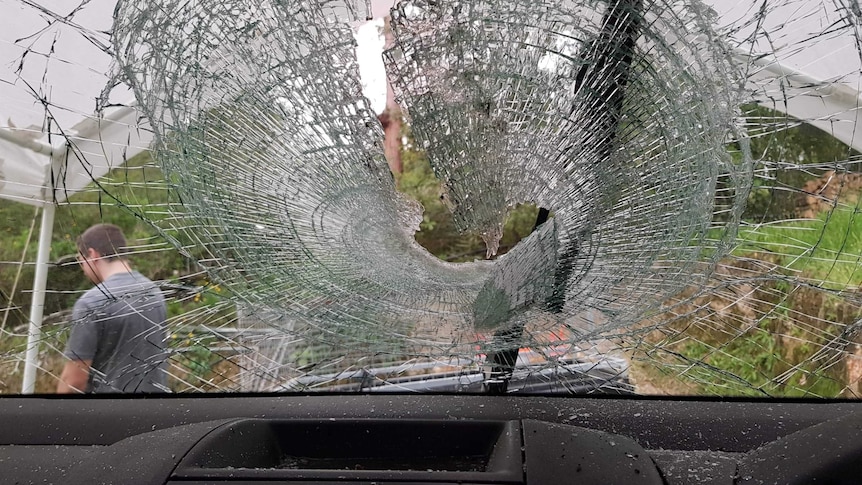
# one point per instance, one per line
(621, 196)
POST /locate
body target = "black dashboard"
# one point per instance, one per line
(426, 439)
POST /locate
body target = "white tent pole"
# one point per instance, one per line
(37, 307)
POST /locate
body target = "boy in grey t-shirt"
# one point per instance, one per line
(117, 343)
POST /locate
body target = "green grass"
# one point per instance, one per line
(750, 364)
(825, 251)
(774, 357)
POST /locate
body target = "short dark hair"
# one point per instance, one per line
(107, 239)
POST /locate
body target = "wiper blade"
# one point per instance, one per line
(605, 374)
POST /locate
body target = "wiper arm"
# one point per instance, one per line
(613, 52)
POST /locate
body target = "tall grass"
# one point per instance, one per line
(826, 251)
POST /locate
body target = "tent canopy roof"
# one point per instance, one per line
(54, 69)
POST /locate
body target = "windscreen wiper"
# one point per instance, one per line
(573, 374)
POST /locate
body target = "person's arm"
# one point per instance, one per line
(80, 350)
(74, 378)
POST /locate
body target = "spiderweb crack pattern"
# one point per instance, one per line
(629, 120)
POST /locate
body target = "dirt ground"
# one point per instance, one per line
(12, 373)
(650, 381)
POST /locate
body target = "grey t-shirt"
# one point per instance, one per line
(119, 325)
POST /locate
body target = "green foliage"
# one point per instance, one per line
(751, 357)
(437, 231)
(826, 250)
(194, 349)
(750, 365)
(192, 353)
(777, 137)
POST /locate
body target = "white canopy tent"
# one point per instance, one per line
(53, 68)
(809, 66)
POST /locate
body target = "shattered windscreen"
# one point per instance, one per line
(621, 196)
